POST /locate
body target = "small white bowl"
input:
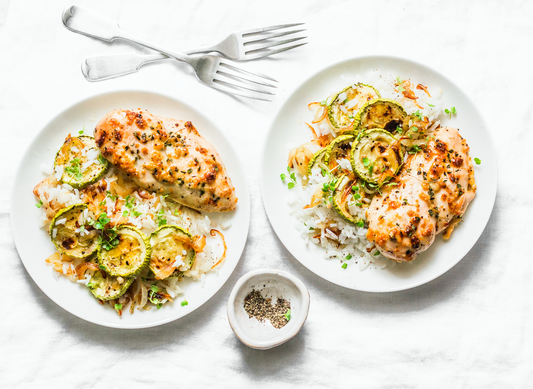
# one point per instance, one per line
(272, 284)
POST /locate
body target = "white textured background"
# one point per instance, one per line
(471, 328)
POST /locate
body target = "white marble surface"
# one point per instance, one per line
(470, 328)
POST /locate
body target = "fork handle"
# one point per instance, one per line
(86, 22)
(104, 67)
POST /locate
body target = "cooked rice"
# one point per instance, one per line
(321, 224)
(151, 210)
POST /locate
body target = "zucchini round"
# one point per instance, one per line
(129, 257)
(64, 236)
(377, 156)
(317, 158)
(108, 287)
(344, 106)
(381, 113)
(168, 246)
(339, 148)
(75, 153)
(342, 196)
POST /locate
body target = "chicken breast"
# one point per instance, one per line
(432, 193)
(166, 156)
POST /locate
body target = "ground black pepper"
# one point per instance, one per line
(262, 309)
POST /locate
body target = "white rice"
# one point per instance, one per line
(315, 224)
(149, 218)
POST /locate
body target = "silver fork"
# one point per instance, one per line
(216, 72)
(243, 45)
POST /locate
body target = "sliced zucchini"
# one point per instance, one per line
(339, 148)
(129, 256)
(66, 232)
(342, 196)
(317, 158)
(345, 105)
(377, 156)
(74, 157)
(108, 287)
(381, 113)
(170, 243)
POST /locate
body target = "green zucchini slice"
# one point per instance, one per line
(317, 158)
(345, 105)
(377, 156)
(108, 287)
(170, 243)
(342, 196)
(339, 148)
(75, 157)
(71, 234)
(381, 113)
(129, 256)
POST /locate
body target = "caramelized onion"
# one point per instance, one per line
(315, 200)
(322, 117)
(214, 232)
(424, 88)
(198, 243)
(82, 267)
(312, 129)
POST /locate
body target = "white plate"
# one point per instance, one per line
(289, 127)
(33, 243)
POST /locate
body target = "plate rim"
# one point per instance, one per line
(187, 106)
(378, 57)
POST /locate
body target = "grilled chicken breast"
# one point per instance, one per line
(166, 156)
(432, 193)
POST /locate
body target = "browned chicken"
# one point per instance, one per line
(168, 157)
(432, 193)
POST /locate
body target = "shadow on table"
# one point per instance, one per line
(278, 361)
(442, 288)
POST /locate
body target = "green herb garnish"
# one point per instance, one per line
(291, 176)
(40, 203)
(451, 111)
(184, 303)
(75, 169)
(476, 160)
(160, 218)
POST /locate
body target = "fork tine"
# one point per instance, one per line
(234, 83)
(257, 39)
(272, 44)
(266, 53)
(263, 29)
(246, 81)
(230, 89)
(256, 76)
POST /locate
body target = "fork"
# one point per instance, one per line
(214, 71)
(243, 45)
